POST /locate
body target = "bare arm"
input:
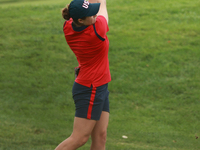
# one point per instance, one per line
(92, 1)
(103, 8)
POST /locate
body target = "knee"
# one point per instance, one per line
(80, 141)
(83, 140)
(101, 136)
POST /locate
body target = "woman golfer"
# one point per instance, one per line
(85, 31)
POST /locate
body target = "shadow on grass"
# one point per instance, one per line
(14, 1)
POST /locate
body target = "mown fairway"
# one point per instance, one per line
(155, 66)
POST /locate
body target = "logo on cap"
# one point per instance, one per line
(85, 4)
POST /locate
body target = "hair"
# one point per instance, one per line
(66, 15)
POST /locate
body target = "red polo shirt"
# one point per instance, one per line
(91, 49)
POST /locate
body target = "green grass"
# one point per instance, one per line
(155, 65)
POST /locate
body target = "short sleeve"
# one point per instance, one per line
(101, 26)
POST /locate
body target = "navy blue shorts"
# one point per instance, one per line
(90, 102)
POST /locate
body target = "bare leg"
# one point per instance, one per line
(81, 133)
(99, 132)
